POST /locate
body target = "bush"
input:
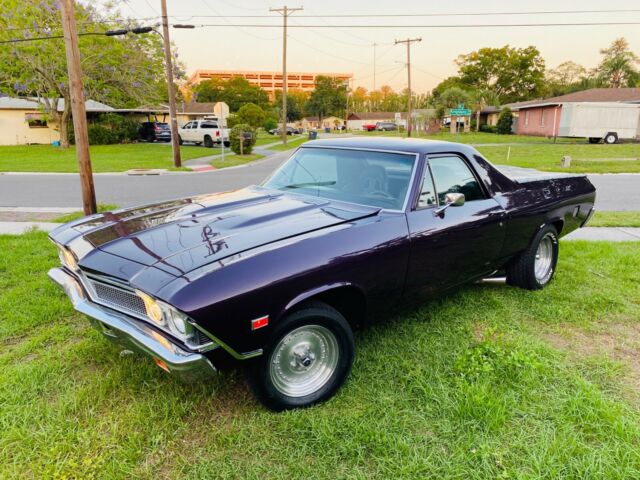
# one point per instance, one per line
(251, 114)
(488, 128)
(504, 122)
(232, 120)
(270, 124)
(248, 135)
(110, 128)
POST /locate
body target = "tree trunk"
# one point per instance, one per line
(478, 120)
(63, 121)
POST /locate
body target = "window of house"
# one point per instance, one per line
(37, 123)
(452, 175)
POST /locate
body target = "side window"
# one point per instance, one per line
(452, 175)
(427, 195)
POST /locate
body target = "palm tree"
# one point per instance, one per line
(480, 99)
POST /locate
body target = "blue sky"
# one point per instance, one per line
(351, 50)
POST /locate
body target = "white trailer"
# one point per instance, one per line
(607, 121)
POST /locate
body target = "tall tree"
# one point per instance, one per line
(235, 92)
(480, 99)
(295, 104)
(512, 73)
(120, 71)
(328, 98)
(565, 78)
(451, 98)
(618, 67)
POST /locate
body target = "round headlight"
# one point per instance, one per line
(178, 322)
(154, 311)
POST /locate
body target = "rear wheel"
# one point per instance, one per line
(306, 362)
(611, 138)
(227, 144)
(208, 142)
(533, 269)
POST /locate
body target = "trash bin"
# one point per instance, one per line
(327, 130)
(313, 134)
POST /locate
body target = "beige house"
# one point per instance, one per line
(313, 123)
(23, 121)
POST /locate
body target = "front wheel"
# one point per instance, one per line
(533, 269)
(306, 362)
(610, 138)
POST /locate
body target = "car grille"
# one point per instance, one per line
(200, 338)
(119, 298)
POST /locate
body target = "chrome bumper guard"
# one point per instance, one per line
(133, 334)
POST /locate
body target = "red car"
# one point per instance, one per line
(370, 127)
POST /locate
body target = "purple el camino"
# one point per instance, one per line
(275, 277)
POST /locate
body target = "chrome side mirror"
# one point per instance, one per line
(450, 200)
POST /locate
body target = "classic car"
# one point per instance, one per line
(275, 277)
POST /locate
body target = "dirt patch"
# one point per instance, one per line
(28, 216)
(618, 341)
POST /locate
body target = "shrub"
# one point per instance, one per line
(248, 135)
(110, 128)
(251, 114)
(488, 128)
(505, 120)
(270, 124)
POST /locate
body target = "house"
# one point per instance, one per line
(313, 123)
(543, 117)
(185, 112)
(356, 120)
(23, 120)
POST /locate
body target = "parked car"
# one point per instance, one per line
(155, 131)
(290, 131)
(276, 277)
(203, 132)
(369, 127)
(386, 126)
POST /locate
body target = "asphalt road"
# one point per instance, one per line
(615, 192)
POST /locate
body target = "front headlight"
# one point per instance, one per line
(67, 258)
(167, 317)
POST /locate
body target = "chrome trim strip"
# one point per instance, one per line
(227, 348)
(123, 330)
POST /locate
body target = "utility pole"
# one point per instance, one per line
(168, 63)
(78, 110)
(285, 12)
(409, 41)
(374, 65)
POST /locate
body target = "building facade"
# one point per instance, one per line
(271, 82)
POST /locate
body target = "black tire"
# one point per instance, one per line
(227, 144)
(179, 140)
(522, 271)
(611, 138)
(594, 140)
(317, 318)
(208, 143)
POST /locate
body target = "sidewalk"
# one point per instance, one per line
(607, 234)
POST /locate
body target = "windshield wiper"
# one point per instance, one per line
(309, 184)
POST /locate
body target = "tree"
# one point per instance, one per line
(235, 92)
(512, 73)
(618, 66)
(251, 114)
(481, 99)
(328, 98)
(121, 71)
(505, 120)
(242, 134)
(446, 84)
(565, 78)
(295, 105)
(451, 98)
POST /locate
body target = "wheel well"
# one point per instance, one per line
(207, 136)
(349, 301)
(558, 224)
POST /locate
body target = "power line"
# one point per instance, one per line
(485, 25)
(49, 37)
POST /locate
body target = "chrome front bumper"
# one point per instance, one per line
(134, 334)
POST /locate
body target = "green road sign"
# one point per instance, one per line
(460, 112)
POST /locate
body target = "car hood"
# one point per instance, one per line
(180, 236)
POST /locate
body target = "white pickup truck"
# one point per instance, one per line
(203, 132)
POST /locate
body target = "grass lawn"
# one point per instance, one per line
(232, 160)
(102, 207)
(472, 137)
(292, 142)
(104, 158)
(615, 219)
(489, 382)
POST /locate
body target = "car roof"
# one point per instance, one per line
(412, 145)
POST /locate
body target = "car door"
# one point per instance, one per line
(460, 243)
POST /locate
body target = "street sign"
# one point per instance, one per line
(460, 112)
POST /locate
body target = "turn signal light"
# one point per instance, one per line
(161, 364)
(260, 322)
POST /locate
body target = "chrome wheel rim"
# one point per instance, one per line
(544, 259)
(304, 360)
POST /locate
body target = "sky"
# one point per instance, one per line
(350, 49)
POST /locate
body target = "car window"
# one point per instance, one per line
(208, 125)
(427, 194)
(452, 175)
(366, 177)
(187, 125)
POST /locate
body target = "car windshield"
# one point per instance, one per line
(378, 179)
(162, 126)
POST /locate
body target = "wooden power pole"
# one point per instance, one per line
(409, 41)
(285, 12)
(168, 64)
(78, 110)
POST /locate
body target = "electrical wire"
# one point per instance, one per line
(437, 26)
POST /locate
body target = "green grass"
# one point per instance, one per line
(585, 158)
(292, 142)
(233, 160)
(473, 137)
(466, 387)
(104, 158)
(615, 219)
